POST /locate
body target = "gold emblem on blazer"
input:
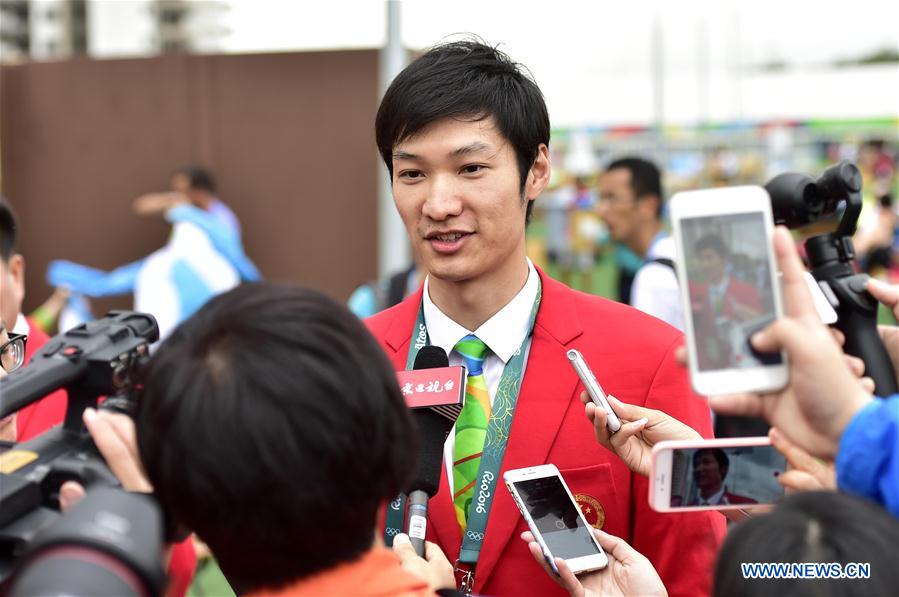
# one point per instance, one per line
(592, 509)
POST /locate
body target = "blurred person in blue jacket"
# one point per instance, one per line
(203, 257)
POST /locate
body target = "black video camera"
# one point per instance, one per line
(798, 200)
(109, 543)
(96, 359)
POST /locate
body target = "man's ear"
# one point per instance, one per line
(538, 176)
(649, 205)
(16, 267)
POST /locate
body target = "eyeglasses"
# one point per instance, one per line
(12, 352)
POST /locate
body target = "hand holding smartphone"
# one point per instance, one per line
(715, 474)
(594, 390)
(554, 518)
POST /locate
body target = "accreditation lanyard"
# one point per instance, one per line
(494, 445)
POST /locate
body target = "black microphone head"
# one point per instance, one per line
(433, 428)
(431, 357)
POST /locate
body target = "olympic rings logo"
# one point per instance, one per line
(475, 536)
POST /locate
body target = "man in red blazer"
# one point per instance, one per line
(464, 134)
(720, 302)
(710, 466)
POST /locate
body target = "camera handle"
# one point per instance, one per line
(830, 257)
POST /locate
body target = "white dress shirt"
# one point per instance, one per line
(655, 290)
(713, 500)
(503, 334)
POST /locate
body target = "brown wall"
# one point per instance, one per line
(288, 136)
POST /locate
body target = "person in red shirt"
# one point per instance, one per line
(39, 416)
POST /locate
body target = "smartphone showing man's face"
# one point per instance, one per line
(730, 291)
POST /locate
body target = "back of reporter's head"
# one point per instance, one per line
(272, 425)
(813, 527)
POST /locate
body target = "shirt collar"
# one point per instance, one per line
(715, 498)
(21, 326)
(503, 333)
(659, 237)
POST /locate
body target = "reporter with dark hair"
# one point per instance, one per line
(814, 533)
(272, 425)
(814, 527)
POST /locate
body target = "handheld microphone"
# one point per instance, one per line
(435, 413)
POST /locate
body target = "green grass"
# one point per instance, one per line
(209, 581)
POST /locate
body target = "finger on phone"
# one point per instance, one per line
(838, 336)
(537, 554)
(867, 384)
(747, 405)
(627, 430)
(799, 481)
(613, 546)
(856, 365)
(567, 578)
(796, 456)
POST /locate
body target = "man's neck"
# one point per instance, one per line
(707, 493)
(644, 237)
(472, 302)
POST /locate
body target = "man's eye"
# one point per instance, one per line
(410, 174)
(472, 168)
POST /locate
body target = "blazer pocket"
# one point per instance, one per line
(594, 490)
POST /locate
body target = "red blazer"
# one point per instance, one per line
(733, 498)
(632, 355)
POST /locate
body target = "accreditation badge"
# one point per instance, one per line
(592, 509)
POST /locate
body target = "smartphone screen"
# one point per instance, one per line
(730, 292)
(556, 518)
(726, 476)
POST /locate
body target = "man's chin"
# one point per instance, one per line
(449, 273)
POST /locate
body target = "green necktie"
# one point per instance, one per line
(471, 427)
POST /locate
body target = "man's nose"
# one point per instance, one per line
(444, 199)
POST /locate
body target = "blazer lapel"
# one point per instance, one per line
(546, 393)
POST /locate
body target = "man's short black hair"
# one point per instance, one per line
(720, 456)
(273, 426)
(8, 231)
(812, 527)
(199, 178)
(713, 242)
(646, 180)
(465, 80)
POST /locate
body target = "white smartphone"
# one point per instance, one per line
(594, 390)
(554, 518)
(729, 287)
(715, 474)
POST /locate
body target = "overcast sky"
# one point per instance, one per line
(593, 59)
